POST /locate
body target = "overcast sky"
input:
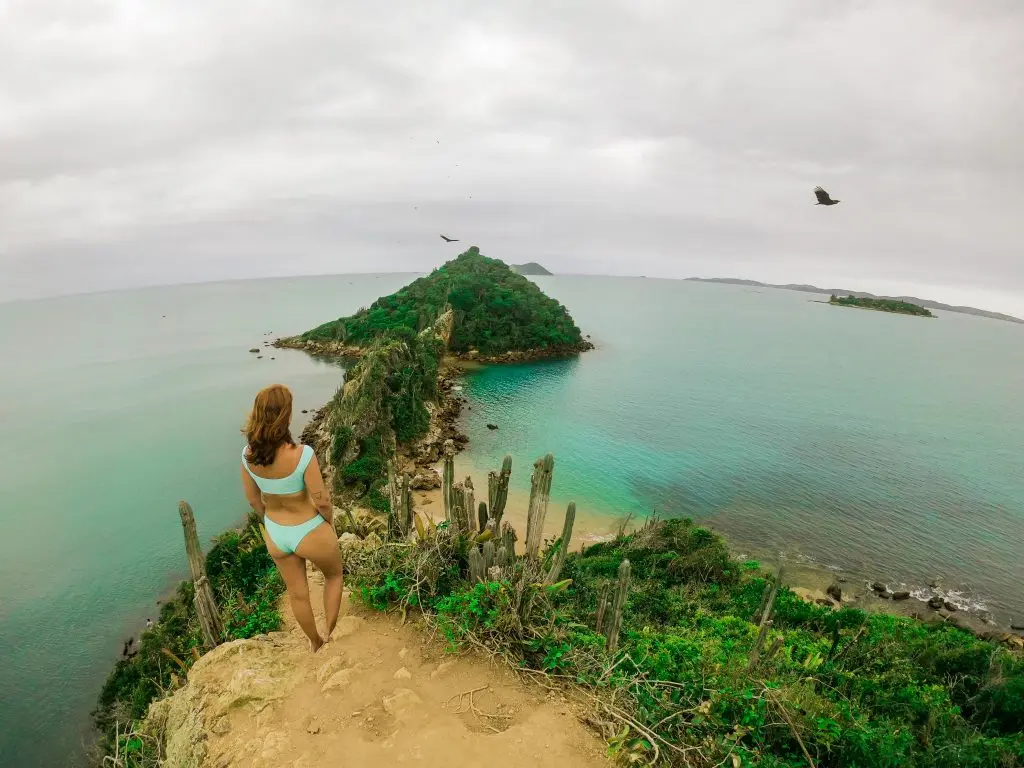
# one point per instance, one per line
(170, 141)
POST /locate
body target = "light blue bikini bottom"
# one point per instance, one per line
(288, 537)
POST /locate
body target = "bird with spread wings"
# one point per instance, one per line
(823, 198)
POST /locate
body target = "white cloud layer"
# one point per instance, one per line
(172, 141)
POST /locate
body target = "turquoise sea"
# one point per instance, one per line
(885, 445)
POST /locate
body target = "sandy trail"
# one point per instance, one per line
(380, 692)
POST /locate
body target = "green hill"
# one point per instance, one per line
(495, 311)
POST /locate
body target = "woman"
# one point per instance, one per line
(282, 482)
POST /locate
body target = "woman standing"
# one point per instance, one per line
(282, 482)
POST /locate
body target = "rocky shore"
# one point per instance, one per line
(337, 349)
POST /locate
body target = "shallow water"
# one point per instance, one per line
(884, 444)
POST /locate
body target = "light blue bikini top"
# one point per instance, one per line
(282, 486)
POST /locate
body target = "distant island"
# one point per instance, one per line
(861, 295)
(531, 268)
(881, 305)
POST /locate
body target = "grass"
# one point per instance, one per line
(695, 682)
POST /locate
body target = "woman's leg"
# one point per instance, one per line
(321, 546)
(293, 570)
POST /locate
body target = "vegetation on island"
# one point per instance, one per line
(247, 588)
(383, 403)
(882, 305)
(471, 303)
(714, 663)
(495, 311)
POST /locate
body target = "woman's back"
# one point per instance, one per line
(282, 482)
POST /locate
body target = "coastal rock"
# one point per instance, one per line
(245, 675)
(425, 480)
(254, 349)
(948, 606)
(826, 602)
(1018, 627)
(885, 594)
(901, 595)
(878, 586)
(835, 592)
(492, 426)
(935, 603)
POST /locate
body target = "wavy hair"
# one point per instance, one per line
(268, 426)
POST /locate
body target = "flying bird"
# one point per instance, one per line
(449, 239)
(823, 198)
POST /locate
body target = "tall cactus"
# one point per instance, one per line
(540, 495)
(394, 502)
(489, 554)
(457, 517)
(477, 570)
(508, 540)
(618, 604)
(497, 491)
(448, 479)
(603, 601)
(482, 516)
(467, 524)
(563, 544)
(405, 506)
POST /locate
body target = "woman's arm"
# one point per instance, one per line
(317, 491)
(252, 494)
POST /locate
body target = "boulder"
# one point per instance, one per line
(878, 586)
(1018, 627)
(885, 594)
(948, 606)
(825, 602)
(835, 592)
(492, 426)
(901, 595)
(254, 349)
(425, 480)
(935, 603)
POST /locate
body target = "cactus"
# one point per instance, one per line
(468, 506)
(508, 540)
(618, 604)
(456, 516)
(482, 516)
(477, 572)
(502, 557)
(602, 606)
(540, 495)
(488, 552)
(448, 479)
(497, 491)
(405, 506)
(394, 502)
(563, 544)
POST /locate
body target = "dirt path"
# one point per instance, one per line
(378, 693)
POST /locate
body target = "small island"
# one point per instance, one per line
(881, 305)
(531, 268)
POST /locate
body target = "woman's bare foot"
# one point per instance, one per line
(316, 645)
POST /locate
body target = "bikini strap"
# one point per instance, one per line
(307, 456)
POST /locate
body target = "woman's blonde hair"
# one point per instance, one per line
(268, 426)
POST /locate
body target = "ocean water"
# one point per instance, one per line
(881, 444)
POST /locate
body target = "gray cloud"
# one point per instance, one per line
(172, 142)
